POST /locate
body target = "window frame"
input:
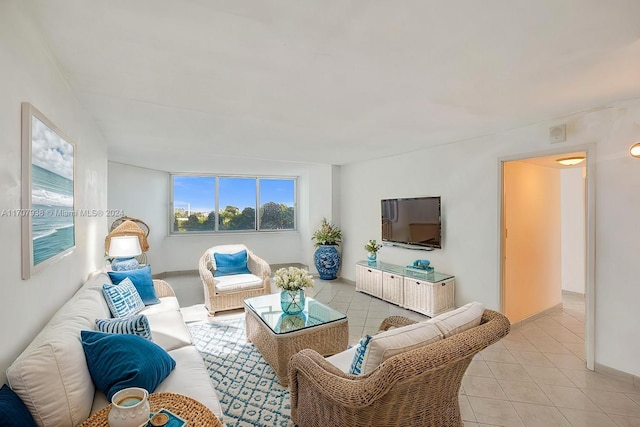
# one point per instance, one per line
(217, 177)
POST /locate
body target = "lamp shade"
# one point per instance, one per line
(124, 247)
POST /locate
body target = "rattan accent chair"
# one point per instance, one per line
(416, 388)
(216, 299)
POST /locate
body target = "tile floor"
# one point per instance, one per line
(536, 376)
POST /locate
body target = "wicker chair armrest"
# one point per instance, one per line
(258, 266)
(395, 322)
(331, 384)
(205, 274)
(163, 289)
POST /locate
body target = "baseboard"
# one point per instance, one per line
(275, 267)
(621, 375)
(534, 317)
(166, 274)
(572, 293)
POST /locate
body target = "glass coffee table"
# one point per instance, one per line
(278, 336)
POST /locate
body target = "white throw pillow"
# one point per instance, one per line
(455, 321)
(389, 343)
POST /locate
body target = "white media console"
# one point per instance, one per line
(429, 293)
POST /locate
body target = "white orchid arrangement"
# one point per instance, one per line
(293, 279)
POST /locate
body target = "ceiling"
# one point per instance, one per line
(333, 81)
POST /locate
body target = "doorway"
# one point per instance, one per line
(546, 237)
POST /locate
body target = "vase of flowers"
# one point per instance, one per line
(372, 249)
(327, 257)
(292, 281)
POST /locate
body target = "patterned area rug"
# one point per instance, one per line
(251, 394)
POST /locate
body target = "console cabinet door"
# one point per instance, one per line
(393, 288)
(427, 297)
(369, 280)
(417, 295)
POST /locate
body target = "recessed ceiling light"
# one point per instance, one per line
(571, 161)
(635, 150)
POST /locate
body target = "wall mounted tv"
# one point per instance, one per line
(412, 221)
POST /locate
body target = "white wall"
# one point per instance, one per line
(28, 74)
(573, 229)
(144, 193)
(466, 175)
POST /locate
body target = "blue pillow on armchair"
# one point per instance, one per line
(228, 264)
(142, 280)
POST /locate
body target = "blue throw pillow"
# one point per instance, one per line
(228, 264)
(358, 357)
(136, 325)
(119, 361)
(13, 412)
(123, 299)
(142, 280)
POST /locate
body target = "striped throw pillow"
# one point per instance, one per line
(123, 299)
(358, 357)
(134, 325)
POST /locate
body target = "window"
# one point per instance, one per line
(237, 204)
(206, 204)
(277, 202)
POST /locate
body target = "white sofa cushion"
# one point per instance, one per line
(168, 330)
(459, 320)
(398, 340)
(51, 375)
(237, 282)
(189, 378)
(166, 304)
(343, 359)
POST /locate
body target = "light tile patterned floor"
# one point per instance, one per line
(536, 376)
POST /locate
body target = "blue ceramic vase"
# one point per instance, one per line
(327, 261)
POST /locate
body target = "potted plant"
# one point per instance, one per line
(292, 281)
(372, 249)
(327, 257)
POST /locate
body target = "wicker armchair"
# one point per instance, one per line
(216, 299)
(416, 388)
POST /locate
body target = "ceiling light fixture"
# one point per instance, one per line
(635, 150)
(571, 161)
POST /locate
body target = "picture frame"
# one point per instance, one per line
(48, 192)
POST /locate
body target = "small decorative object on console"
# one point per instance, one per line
(422, 264)
(372, 249)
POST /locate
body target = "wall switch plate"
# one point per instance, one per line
(557, 134)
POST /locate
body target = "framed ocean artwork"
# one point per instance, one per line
(48, 196)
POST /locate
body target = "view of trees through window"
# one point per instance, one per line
(195, 199)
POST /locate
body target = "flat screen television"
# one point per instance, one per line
(412, 221)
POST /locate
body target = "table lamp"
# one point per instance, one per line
(123, 249)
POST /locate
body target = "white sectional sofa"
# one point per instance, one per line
(51, 375)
